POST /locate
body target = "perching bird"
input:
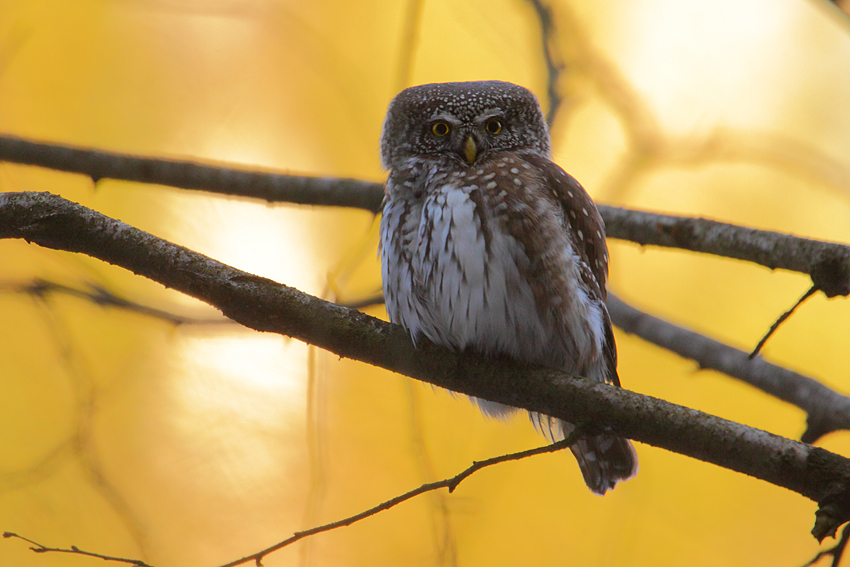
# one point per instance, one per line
(488, 245)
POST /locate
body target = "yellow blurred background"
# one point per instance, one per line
(196, 445)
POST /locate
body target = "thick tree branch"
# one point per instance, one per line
(264, 305)
(272, 187)
(827, 263)
(768, 248)
(827, 410)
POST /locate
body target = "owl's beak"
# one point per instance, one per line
(469, 150)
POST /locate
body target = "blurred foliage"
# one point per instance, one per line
(194, 445)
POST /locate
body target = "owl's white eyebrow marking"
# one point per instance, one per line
(489, 113)
(451, 119)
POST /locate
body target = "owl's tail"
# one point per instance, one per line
(605, 460)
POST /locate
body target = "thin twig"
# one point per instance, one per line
(781, 320)
(449, 483)
(102, 297)
(827, 409)
(39, 548)
(836, 551)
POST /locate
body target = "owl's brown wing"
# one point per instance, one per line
(587, 230)
(587, 234)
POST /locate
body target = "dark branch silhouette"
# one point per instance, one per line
(836, 551)
(827, 263)
(449, 483)
(780, 320)
(99, 295)
(272, 187)
(827, 410)
(264, 305)
(74, 550)
(554, 67)
(827, 267)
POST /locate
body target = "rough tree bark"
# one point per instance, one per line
(827, 263)
(259, 303)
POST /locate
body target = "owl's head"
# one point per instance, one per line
(464, 121)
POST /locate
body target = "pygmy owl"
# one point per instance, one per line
(488, 245)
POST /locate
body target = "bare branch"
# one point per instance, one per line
(38, 548)
(812, 290)
(450, 483)
(551, 55)
(102, 297)
(827, 410)
(272, 187)
(264, 305)
(836, 551)
(827, 263)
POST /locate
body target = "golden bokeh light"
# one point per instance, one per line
(198, 444)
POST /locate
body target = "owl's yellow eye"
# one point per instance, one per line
(440, 129)
(493, 126)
